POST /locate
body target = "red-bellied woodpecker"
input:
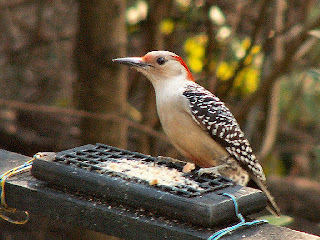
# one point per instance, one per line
(199, 125)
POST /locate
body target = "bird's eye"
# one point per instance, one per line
(161, 60)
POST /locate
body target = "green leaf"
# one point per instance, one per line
(278, 221)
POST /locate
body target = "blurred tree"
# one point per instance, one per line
(158, 11)
(252, 54)
(261, 57)
(101, 86)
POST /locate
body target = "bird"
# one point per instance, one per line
(199, 125)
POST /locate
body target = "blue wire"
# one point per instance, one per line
(223, 232)
(4, 208)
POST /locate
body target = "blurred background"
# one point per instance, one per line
(59, 88)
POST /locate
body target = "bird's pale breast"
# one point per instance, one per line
(185, 134)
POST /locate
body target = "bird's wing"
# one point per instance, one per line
(213, 116)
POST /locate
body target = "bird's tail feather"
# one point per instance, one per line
(272, 205)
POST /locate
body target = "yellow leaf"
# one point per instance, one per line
(195, 49)
(251, 80)
(225, 71)
(255, 49)
(239, 79)
(246, 43)
(167, 26)
(247, 80)
(198, 51)
(188, 45)
(195, 64)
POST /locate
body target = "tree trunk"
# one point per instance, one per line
(155, 41)
(101, 86)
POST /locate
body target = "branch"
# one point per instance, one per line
(273, 111)
(14, 4)
(241, 64)
(80, 113)
(271, 123)
(210, 46)
(281, 67)
(211, 77)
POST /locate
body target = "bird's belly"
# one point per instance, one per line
(191, 140)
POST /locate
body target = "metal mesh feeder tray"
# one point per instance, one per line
(153, 184)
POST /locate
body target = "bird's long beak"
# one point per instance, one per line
(132, 61)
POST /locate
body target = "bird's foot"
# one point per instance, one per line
(210, 171)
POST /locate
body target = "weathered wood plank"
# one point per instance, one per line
(26, 193)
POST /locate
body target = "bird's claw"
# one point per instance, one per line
(210, 171)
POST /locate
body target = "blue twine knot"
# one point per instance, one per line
(242, 223)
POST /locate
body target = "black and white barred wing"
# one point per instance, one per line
(218, 121)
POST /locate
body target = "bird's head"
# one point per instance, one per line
(159, 66)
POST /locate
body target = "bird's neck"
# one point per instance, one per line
(168, 84)
(170, 89)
